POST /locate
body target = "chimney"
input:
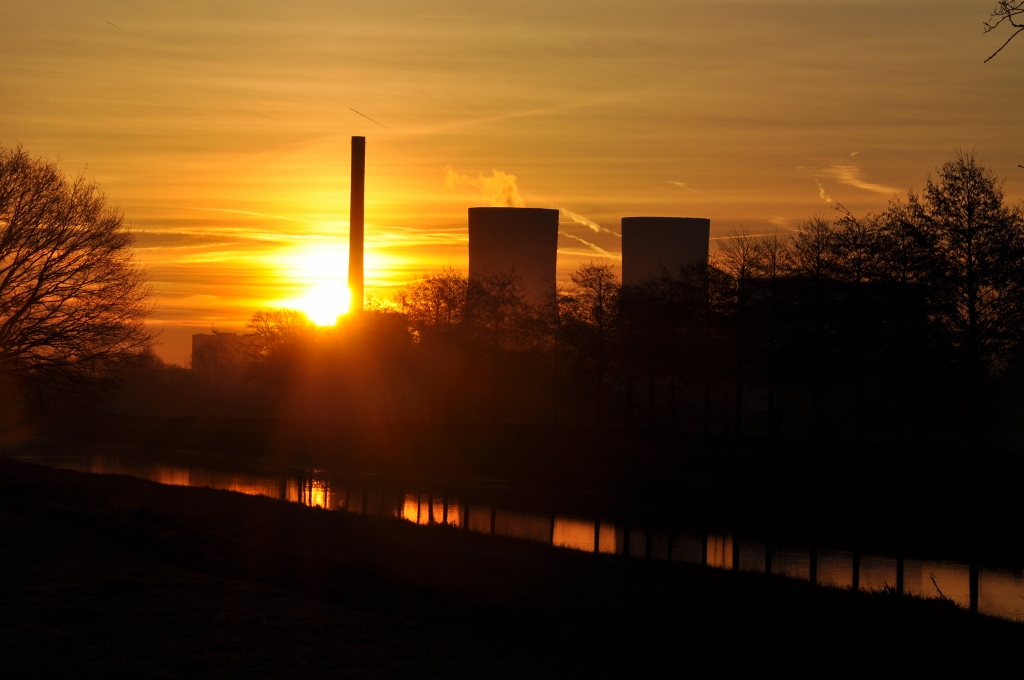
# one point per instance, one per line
(355, 224)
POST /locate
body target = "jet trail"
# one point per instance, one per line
(371, 119)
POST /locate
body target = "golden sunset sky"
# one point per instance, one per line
(221, 127)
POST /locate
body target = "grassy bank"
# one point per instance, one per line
(112, 574)
(929, 503)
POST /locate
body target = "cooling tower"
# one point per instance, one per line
(652, 243)
(355, 222)
(524, 239)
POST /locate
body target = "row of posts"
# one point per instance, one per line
(973, 566)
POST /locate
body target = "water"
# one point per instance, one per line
(1000, 592)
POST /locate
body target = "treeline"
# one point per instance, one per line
(898, 327)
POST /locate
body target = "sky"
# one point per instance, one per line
(222, 127)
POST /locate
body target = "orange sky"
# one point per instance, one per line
(221, 127)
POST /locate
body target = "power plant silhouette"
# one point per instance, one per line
(650, 244)
(355, 222)
(521, 239)
(525, 240)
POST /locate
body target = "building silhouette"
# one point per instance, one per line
(523, 239)
(650, 244)
(222, 351)
(355, 222)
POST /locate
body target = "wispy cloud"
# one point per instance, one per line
(684, 186)
(821, 192)
(852, 175)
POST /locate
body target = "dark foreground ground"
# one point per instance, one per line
(106, 575)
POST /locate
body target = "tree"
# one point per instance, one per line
(976, 281)
(72, 299)
(591, 307)
(774, 260)
(501, 319)
(279, 329)
(738, 257)
(814, 250)
(436, 309)
(436, 304)
(977, 273)
(1010, 13)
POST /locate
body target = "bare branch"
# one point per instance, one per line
(1006, 11)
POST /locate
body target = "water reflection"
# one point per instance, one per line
(572, 533)
(528, 527)
(998, 592)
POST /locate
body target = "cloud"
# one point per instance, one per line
(683, 185)
(821, 192)
(500, 187)
(586, 222)
(850, 175)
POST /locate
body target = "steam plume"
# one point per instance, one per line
(500, 187)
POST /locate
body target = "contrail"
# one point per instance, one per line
(732, 236)
(371, 119)
(114, 25)
(236, 212)
(588, 244)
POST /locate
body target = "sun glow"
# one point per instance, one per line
(319, 275)
(324, 303)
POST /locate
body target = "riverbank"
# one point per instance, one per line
(108, 574)
(930, 503)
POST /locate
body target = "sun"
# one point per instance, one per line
(325, 302)
(317, 271)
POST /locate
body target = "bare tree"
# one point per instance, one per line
(73, 301)
(977, 280)
(814, 250)
(1009, 12)
(278, 329)
(436, 304)
(591, 308)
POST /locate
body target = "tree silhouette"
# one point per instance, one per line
(773, 263)
(436, 305)
(976, 281)
(977, 272)
(72, 299)
(278, 329)
(591, 307)
(436, 309)
(738, 257)
(1010, 13)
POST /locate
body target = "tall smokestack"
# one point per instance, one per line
(355, 224)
